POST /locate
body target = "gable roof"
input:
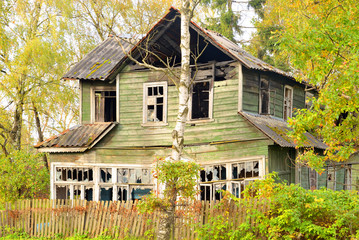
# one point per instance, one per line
(277, 129)
(76, 139)
(108, 56)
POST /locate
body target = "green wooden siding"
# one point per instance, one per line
(251, 92)
(281, 162)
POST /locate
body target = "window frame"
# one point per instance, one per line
(230, 180)
(210, 102)
(96, 184)
(93, 101)
(163, 84)
(262, 78)
(285, 106)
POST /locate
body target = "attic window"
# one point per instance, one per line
(264, 96)
(201, 100)
(105, 106)
(154, 103)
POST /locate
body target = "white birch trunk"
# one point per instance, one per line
(167, 219)
(185, 81)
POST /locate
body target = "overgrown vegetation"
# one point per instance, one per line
(23, 176)
(294, 213)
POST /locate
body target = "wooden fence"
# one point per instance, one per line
(49, 218)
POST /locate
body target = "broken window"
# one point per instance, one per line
(105, 106)
(137, 192)
(348, 177)
(264, 96)
(201, 100)
(213, 173)
(287, 102)
(245, 170)
(74, 174)
(155, 102)
(122, 193)
(106, 194)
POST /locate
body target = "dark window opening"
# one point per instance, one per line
(106, 194)
(122, 194)
(341, 118)
(205, 193)
(89, 194)
(219, 191)
(200, 100)
(264, 96)
(105, 106)
(61, 192)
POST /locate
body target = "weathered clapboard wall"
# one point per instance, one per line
(227, 136)
(251, 91)
(282, 161)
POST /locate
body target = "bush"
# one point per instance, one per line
(293, 213)
(23, 176)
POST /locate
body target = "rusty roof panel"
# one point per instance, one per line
(99, 63)
(276, 129)
(78, 136)
(245, 58)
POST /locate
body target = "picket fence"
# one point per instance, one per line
(65, 218)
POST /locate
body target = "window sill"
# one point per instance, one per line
(198, 121)
(159, 124)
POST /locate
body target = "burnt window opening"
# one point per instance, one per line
(201, 100)
(264, 97)
(105, 106)
(155, 98)
(287, 102)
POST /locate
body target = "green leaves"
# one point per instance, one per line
(23, 176)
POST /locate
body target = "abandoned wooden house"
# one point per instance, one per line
(236, 126)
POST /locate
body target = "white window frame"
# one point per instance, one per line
(92, 103)
(96, 184)
(144, 107)
(210, 103)
(229, 177)
(286, 106)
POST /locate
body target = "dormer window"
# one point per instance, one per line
(105, 106)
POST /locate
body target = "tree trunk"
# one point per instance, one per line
(167, 220)
(39, 132)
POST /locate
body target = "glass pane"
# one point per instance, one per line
(58, 174)
(132, 177)
(122, 175)
(122, 194)
(249, 169)
(146, 176)
(241, 170)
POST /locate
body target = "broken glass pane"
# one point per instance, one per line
(122, 194)
(146, 176)
(241, 170)
(122, 175)
(255, 169)
(132, 177)
(58, 174)
(249, 169)
(106, 194)
(138, 192)
(138, 175)
(88, 194)
(216, 173)
(209, 172)
(203, 175)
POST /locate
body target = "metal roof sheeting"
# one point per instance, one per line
(101, 61)
(245, 58)
(79, 136)
(276, 129)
